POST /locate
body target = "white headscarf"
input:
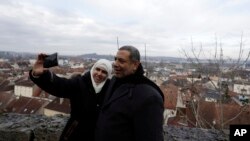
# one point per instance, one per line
(103, 64)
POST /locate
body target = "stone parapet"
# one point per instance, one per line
(20, 127)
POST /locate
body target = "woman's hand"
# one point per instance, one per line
(38, 68)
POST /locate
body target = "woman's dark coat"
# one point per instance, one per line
(85, 103)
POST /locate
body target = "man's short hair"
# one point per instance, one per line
(134, 52)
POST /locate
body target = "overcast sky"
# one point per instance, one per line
(74, 27)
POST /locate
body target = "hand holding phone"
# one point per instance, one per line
(51, 61)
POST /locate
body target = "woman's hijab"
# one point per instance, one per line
(103, 64)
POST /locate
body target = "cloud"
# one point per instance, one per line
(89, 26)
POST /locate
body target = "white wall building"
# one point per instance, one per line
(24, 88)
(242, 89)
(26, 91)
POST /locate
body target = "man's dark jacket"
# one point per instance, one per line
(132, 110)
(85, 103)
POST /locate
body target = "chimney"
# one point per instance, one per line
(61, 100)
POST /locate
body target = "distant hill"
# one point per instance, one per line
(165, 59)
(17, 55)
(25, 55)
(149, 58)
(96, 56)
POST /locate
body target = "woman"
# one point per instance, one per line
(85, 92)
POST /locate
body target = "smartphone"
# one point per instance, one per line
(51, 61)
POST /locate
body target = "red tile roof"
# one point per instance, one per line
(59, 104)
(235, 114)
(170, 92)
(184, 117)
(25, 105)
(5, 98)
(26, 83)
(207, 113)
(232, 114)
(5, 65)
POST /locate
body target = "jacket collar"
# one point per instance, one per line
(120, 91)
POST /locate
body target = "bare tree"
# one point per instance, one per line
(217, 63)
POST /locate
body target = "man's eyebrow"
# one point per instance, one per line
(120, 59)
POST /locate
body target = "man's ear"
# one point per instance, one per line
(136, 64)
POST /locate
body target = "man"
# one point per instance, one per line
(133, 105)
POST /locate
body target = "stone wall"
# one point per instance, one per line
(19, 127)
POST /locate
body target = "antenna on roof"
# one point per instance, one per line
(146, 60)
(117, 41)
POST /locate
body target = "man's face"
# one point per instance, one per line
(123, 66)
(99, 75)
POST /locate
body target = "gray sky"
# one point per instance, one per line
(74, 27)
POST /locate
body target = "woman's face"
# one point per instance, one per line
(99, 75)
